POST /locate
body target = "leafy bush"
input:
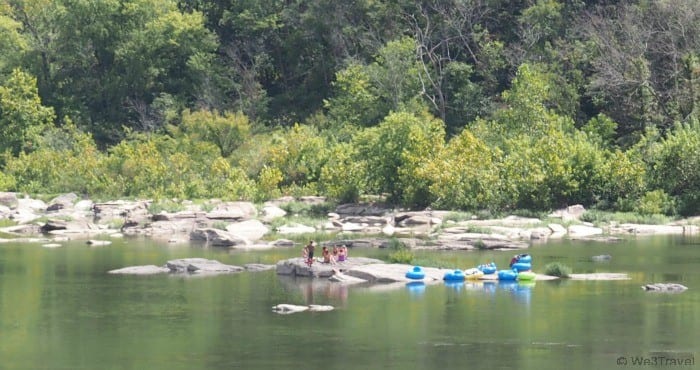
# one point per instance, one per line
(227, 131)
(393, 153)
(557, 269)
(464, 175)
(674, 163)
(655, 202)
(404, 256)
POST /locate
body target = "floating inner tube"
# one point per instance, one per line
(521, 266)
(526, 276)
(456, 275)
(526, 258)
(416, 273)
(488, 269)
(507, 275)
(473, 274)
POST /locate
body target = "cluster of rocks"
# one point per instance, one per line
(245, 225)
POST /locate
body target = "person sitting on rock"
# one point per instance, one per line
(327, 256)
(342, 253)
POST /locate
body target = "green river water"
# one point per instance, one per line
(59, 309)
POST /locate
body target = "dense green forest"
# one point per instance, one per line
(454, 104)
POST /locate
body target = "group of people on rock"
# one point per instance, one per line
(338, 254)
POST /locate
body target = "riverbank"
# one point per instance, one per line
(258, 226)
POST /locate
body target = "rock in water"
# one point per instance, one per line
(664, 287)
(601, 258)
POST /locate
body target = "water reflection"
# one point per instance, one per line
(416, 288)
(519, 290)
(316, 291)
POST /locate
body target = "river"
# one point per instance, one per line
(59, 309)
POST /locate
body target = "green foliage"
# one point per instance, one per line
(104, 61)
(602, 128)
(22, 117)
(165, 205)
(13, 44)
(227, 131)
(673, 166)
(404, 256)
(221, 225)
(655, 202)
(7, 182)
(393, 152)
(66, 159)
(602, 217)
(557, 269)
(464, 175)
(342, 176)
(364, 94)
(356, 99)
(395, 244)
(293, 158)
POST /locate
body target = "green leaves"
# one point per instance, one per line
(22, 117)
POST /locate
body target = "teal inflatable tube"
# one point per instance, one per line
(507, 275)
(456, 275)
(416, 273)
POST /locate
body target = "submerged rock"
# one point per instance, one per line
(664, 287)
(98, 243)
(601, 258)
(285, 308)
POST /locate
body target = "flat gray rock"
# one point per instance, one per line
(298, 267)
(201, 265)
(141, 270)
(600, 276)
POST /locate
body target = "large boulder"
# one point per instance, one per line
(131, 211)
(251, 229)
(217, 238)
(295, 228)
(271, 212)
(298, 266)
(62, 202)
(8, 199)
(233, 211)
(570, 213)
(362, 209)
(36, 205)
(582, 231)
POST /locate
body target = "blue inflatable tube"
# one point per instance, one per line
(507, 275)
(488, 268)
(416, 273)
(456, 275)
(521, 266)
(526, 258)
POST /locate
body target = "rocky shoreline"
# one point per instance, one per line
(246, 225)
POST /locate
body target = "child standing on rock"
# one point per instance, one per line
(308, 252)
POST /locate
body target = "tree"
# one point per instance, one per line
(105, 62)
(392, 152)
(22, 117)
